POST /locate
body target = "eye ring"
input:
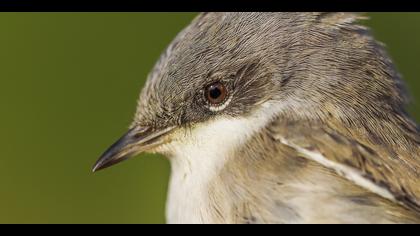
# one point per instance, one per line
(216, 96)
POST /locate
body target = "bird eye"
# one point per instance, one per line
(216, 93)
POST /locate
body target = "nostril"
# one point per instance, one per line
(139, 131)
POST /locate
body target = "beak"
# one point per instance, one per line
(135, 141)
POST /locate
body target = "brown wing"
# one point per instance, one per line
(397, 174)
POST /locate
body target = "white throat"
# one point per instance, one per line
(197, 157)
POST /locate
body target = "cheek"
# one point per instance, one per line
(217, 137)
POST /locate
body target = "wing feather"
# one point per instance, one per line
(380, 171)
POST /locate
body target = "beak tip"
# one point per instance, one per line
(123, 148)
(96, 167)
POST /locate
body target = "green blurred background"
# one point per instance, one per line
(69, 86)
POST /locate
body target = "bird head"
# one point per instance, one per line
(227, 75)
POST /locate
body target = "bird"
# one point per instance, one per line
(279, 118)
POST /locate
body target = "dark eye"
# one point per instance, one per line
(216, 93)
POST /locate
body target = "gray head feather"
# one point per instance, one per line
(324, 60)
